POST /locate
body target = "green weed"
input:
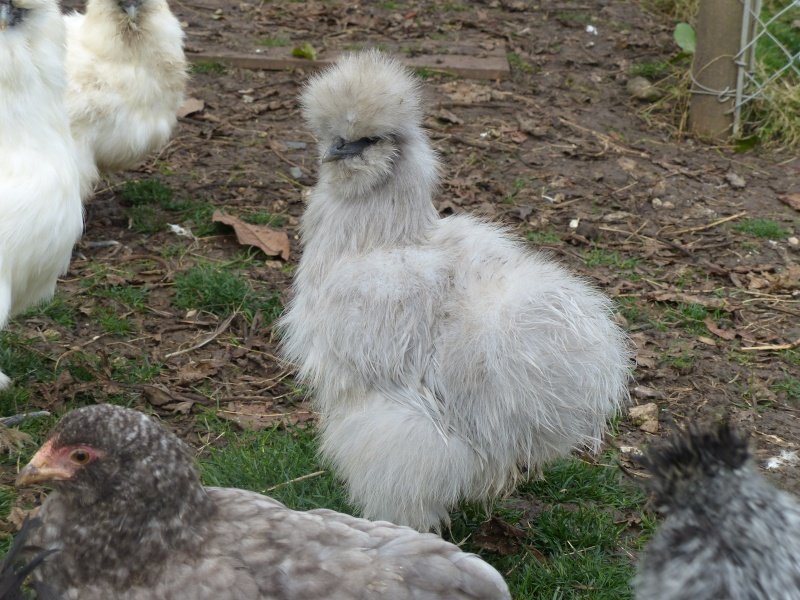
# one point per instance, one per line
(201, 67)
(762, 228)
(219, 291)
(274, 41)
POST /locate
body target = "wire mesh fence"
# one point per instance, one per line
(770, 51)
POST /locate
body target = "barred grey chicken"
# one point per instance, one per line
(444, 356)
(728, 533)
(133, 522)
(41, 216)
(127, 78)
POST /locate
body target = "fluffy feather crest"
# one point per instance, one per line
(362, 95)
(728, 533)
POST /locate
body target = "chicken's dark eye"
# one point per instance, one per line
(80, 456)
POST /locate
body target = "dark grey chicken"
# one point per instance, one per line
(133, 522)
(728, 534)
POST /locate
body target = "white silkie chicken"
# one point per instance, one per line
(127, 78)
(41, 216)
(444, 357)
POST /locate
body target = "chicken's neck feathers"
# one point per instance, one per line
(397, 213)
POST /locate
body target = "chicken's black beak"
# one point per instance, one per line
(341, 148)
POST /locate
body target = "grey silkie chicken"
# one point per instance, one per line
(446, 358)
(728, 533)
(132, 521)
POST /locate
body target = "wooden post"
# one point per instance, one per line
(719, 25)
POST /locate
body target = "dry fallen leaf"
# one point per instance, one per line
(271, 241)
(252, 416)
(191, 106)
(792, 200)
(725, 334)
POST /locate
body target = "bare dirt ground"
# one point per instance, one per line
(560, 141)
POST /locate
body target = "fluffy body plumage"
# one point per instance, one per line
(133, 522)
(728, 533)
(127, 78)
(41, 216)
(443, 355)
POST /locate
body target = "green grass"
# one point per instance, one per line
(762, 228)
(201, 67)
(601, 256)
(789, 385)
(518, 63)
(548, 236)
(274, 41)
(149, 197)
(58, 310)
(690, 317)
(651, 70)
(264, 218)
(220, 291)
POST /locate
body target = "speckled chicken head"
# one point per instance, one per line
(363, 110)
(681, 465)
(107, 452)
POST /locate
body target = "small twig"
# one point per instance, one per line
(792, 346)
(710, 225)
(223, 326)
(17, 419)
(285, 483)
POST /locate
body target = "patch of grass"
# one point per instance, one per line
(110, 321)
(691, 317)
(57, 310)
(274, 41)
(651, 70)
(573, 17)
(138, 192)
(148, 195)
(789, 385)
(140, 370)
(273, 457)
(20, 361)
(453, 7)
(219, 291)
(762, 228)
(600, 256)
(264, 218)
(575, 541)
(518, 63)
(683, 363)
(130, 297)
(202, 66)
(426, 73)
(548, 236)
